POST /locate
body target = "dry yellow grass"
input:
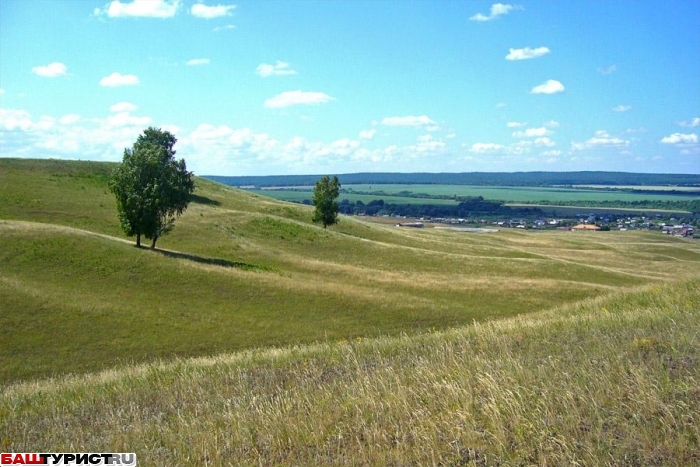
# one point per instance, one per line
(609, 381)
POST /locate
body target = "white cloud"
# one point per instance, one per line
(680, 138)
(278, 69)
(12, 119)
(692, 123)
(198, 61)
(123, 107)
(515, 124)
(527, 53)
(607, 70)
(551, 86)
(485, 148)
(69, 136)
(544, 141)
(140, 8)
(601, 139)
(125, 119)
(117, 79)
(551, 124)
(497, 9)
(201, 10)
(51, 70)
(621, 108)
(228, 27)
(69, 119)
(367, 134)
(298, 97)
(531, 133)
(411, 121)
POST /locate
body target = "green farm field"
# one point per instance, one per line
(393, 193)
(299, 195)
(251, 336)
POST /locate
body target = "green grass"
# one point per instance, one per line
(253, 337)
(607, 381)
(242, 271)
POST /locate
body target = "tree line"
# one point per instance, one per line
(532, 179)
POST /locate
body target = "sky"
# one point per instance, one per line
(329, 87)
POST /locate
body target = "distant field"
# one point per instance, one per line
(299, 196)
(506, 194)
(689, 189)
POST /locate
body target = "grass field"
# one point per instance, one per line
(253, 337)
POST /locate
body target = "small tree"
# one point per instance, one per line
(152, 187)
(325, 200)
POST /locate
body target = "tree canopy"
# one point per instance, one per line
(325, 200)
(152, 187)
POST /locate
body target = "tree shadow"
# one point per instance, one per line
(204, 200)
(210, 261)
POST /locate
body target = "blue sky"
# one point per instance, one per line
(297, 87)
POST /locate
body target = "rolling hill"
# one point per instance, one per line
(252, 336)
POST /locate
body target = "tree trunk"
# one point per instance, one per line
(138, 240)
(153, 244)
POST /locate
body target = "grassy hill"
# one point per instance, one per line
(241, 271)
(612, 380)
(253, 337)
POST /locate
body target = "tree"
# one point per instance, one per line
(325, 200)
(152, 187)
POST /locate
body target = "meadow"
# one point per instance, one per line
(253, 337)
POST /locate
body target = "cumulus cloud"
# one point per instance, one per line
(680, 138)
(198, 61)
(527, 53)
(531, 133)
(607, 70)
(201, 10)
(544, 142)
(551, 86)
(2, 91)
(515, 124)
(692, 123)
(621, 108)
(497, 9)
(140, 8)
(298, 97)
(51, 70)
(411, 121)
(70, 135)
(600, 139)
(228, 27)
(117, 79)
(278, 69)
(123, 107)
(485, 148)
(367, 134)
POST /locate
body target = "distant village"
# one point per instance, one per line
(680, 227)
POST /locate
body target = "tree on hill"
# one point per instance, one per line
(325, 200)
(152, 187)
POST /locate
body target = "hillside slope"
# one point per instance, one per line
(241, 271)
(608, 381)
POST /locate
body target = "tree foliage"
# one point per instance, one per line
(325, 200)
(152, 187)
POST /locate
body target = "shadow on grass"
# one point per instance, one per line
(204, 200)
(211, 261)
